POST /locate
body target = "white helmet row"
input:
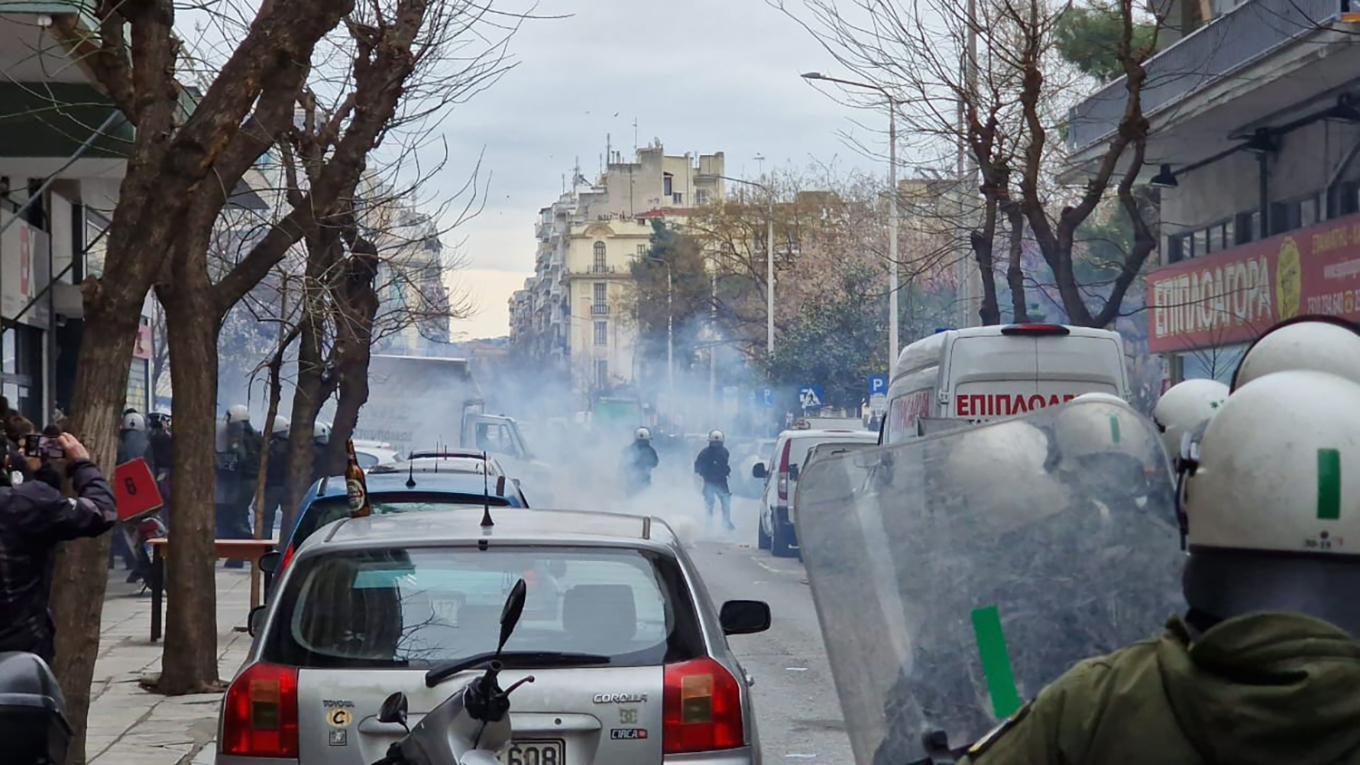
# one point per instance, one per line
(1099, 423)
(238, 413)
(281, 425)
(321, 432)
(642, 434)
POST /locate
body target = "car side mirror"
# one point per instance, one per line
(516, 482)
(269, 562)
(793, 472)
(758, 470)
(394, 709)
(255, 620)
(744, 617)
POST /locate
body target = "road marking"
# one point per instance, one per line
(792, 756)
(773, 570)
(795, 669)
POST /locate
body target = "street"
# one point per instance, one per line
(795, 697)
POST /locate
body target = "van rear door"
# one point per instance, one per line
(993, 376)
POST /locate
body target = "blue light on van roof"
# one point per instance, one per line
(938, 330)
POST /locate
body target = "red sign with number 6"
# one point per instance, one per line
(135, 490)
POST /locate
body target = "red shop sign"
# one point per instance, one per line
(1233, 296)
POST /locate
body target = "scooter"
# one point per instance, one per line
(33, 722)
(472, 725)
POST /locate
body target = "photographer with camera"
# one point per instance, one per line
(34, 517)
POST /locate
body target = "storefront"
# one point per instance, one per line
(24, 267)
(1206, 311)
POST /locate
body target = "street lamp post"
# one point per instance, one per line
(670, 322)
(894, 211)
(769, 261)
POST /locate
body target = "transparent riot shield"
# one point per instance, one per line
(956, 575)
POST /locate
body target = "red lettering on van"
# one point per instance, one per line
(1005, 404)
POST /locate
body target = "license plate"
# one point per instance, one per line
(535, 752)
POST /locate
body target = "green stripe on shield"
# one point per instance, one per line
(996, 662)
(1329, 484)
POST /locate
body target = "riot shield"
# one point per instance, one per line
(958, 574)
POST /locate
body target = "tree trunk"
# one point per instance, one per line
(1015, 275)
(356, 307)
(306, 403)
(353, 395)
(982, 240)
(81, 574)
(189, 660)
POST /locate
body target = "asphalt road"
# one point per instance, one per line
(795, 697)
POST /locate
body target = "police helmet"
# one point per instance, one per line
(135, 422)
(642, 434)
(1184, 407)
(1321, 343)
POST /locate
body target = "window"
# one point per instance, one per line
(600, 292)
(1350, 198)
(701, 197)
(599, 257)
(1229, 234)
(1212, 363)
(677, 199)
(601, 373)
(667, 185)
(418, 607)
(1198, 243)
(1248, 226)
(1175, 248)
(641, 251)
(1310, 212)
(602, 333)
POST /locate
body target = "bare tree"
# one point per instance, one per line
(133, 51)
(983, 83)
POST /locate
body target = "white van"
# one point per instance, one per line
(986, 373)
(775, 531)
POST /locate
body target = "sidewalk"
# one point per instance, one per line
(130, 726)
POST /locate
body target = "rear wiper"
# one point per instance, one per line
(522, 659)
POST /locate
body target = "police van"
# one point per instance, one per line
(961, 376)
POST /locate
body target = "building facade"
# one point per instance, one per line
(1255, 118)
(577, 313)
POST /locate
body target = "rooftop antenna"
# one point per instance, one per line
(635, 145)
(486, 496)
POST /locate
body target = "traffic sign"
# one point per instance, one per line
(134, 490)
(765, 398)
(878, 385)
(810, 396)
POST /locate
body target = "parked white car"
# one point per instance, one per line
(775, 532)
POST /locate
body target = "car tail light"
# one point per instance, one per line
(784, 471)
(283, 564)
(1035, 329)
(260, 713)
(701, 708)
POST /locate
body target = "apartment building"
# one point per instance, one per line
(576, 313)
(1255, 118)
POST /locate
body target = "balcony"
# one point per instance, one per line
(599, 309)
(1207, 56)
(601, 268)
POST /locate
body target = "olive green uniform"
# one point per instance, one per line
(1266, 688)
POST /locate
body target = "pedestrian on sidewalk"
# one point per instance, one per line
(34, 518)
(712, 465)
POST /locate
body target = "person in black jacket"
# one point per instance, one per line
(34, 518)
(639, 460)
(712, 465)
(276, 478)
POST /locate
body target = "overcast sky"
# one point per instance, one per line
(701, 75)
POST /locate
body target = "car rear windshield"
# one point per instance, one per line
(331, 509)
(420, 607)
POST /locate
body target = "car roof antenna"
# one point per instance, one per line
(410, 474)
(486, 499)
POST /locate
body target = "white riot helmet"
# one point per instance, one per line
(1268, 471)
(642, 434)
(1320, 343)
(280, 426)
(134, 421)
(1098, 423)
(985, 464)
(1184, 407)
(238, 413)
(321, 432)
(716, 437)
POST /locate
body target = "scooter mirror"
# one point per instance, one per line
(514, 608)
(394, 709)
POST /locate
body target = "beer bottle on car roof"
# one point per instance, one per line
(356, 487)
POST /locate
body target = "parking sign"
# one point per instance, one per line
(878, 385)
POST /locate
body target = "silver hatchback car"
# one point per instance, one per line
(630, 656)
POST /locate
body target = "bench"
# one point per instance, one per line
(223, 549)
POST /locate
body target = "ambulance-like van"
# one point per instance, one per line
(987, 373)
